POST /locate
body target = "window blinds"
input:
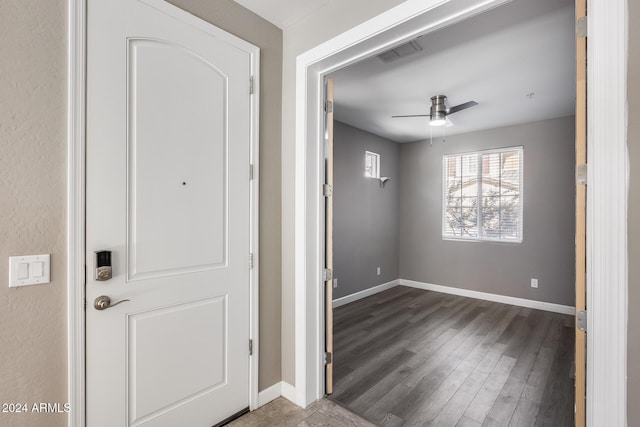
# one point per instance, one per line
(482, 195)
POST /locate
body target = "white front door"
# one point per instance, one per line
(168, 193)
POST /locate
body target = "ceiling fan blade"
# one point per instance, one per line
(461, 107)
(413, 115)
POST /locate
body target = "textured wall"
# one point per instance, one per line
(366, 229)
(334, 18)
(237, 20)
(32, 204)
(633, 141)
(547, 251)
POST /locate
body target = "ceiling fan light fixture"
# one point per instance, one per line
(438, 119)
(438, 111)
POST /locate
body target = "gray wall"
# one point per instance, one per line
(547, 251)
(633, 355)
(365, 215)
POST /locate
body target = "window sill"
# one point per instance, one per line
(476, 240)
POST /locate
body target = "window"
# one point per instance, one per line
(371, 165)
(482, 195)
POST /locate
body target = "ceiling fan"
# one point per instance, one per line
(439, 111)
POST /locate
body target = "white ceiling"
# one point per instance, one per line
(496, 59)
(283, 13)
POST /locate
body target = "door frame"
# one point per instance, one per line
(606, 191)
(76, 188)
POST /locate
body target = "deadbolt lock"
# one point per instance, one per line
(103, 265)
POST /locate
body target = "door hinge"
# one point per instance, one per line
(328, 106)
(581, 320)
(328, 358)
(250, 347)
(251, 85)
(327, 274)
(251, 172)
(250, 260)
(582, 174)
(581, 27)
(327, 190)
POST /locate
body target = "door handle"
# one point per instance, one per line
(103, 302)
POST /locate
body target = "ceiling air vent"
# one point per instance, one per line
(401, 51)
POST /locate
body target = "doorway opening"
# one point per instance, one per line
(409, 20)
(461, 206)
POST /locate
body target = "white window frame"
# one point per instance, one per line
(375, 165)
(480, 238)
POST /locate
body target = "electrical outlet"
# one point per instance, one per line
(335, 283)
(378, 271)
(534, 283)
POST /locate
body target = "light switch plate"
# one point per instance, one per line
(29, 270)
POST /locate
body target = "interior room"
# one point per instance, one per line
(161, 213)
(454, 254)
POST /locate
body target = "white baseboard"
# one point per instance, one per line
(540, 305)
(289, 392)
(363, 294)
(281, 388)
(269, 394)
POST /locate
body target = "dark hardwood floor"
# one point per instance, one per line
(415, 358)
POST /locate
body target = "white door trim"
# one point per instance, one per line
(76, 176)
(607, 190)
(76, 107)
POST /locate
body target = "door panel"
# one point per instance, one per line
(329, 236)
(168, 148)
(177, 161)
(159, 378)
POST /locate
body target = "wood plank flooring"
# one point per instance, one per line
(409, 357)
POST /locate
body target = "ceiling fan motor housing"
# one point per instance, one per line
(438, 107)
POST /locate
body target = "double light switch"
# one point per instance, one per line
(29, 270)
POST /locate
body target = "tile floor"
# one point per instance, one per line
(281, 412)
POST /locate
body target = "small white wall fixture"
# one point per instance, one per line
(606, 210)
